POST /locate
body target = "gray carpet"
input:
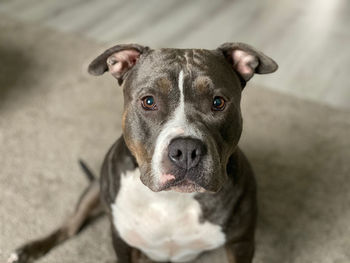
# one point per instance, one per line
(52, 113)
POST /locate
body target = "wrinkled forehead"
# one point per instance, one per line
(201, 65)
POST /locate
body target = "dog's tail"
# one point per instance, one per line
(87, 210)
(89, 174)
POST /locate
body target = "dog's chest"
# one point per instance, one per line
(164, 225)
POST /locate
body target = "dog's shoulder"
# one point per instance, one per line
(236, 198)
(117, 161)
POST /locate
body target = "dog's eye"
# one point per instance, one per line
(218, 104)
(148, 103)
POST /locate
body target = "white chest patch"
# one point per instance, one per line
(164, 225)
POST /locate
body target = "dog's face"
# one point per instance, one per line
(182, 118)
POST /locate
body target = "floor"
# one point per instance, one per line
(50, 116)
(310, 39)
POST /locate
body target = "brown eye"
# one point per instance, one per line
(148, 103)
(218, 104)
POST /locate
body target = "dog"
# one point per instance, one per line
(175, 184)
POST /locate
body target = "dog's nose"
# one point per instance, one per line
(186, 152)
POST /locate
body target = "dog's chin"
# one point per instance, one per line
(181, 183)
(185, 186)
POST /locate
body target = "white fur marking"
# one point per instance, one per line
(177, 125)
(164, 225)
(180, 116)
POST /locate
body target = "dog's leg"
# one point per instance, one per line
(139, 257)
(88, 208)
(125, 253)
(241, 252)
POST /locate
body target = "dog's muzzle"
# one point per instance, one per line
(184, 161)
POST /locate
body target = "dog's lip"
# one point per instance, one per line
(185, 186)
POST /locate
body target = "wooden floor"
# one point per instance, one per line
(309, 39)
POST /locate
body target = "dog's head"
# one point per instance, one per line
(182, 119)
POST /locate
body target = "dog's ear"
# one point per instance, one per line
(118, 60)
(246, 60)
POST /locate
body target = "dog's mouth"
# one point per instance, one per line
(185, 186)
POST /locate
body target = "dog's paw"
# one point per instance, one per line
(13, 258)
(19, 256)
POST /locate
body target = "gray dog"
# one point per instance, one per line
(175, 184)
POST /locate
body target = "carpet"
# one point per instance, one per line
(52, 113)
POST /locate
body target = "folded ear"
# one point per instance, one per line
(246, 60)
(118, 60)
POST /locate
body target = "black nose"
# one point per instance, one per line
(186, 152)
